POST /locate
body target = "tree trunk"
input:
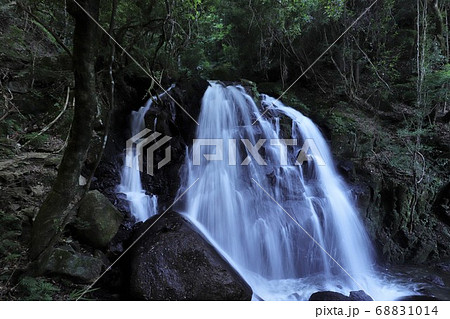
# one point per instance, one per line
(439, 22)
(65, 194)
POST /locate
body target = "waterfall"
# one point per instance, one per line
(142, 206)
(290, 230)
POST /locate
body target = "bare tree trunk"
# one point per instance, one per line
(65, 194)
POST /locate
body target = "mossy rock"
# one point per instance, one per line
(68, 263)
(98, 220)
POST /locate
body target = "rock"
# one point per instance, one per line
(38, 190)
(98, 220)
(52, 161)
(444, 266)
(81, 268)
(436, 280)
(82, 180)
(359, 295)
(346, 168)
(18, 87)
(170, 120)
(328, 296)
(172, 261)
(418, 298)
(441, 206)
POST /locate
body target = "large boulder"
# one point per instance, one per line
(97, 220)
(79, 267)
(359, 295)
(172, 261)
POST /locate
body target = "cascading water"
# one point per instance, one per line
(142, 206)
(245, 210)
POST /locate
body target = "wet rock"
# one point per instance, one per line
(441, 205)
(81, 268)
(359, 295)
(418, 298)
(328, 296)
(170, 120)
(444, 266)
(97, 220)
(436, 280)
(346, 168)
(172, 261)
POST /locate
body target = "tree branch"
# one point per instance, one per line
(54, 35)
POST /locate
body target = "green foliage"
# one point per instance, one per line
(293, 101)
(341, 122)
(81, 294)
(333, 8)
(36, 140)
(7, 246)
(8, 222)
(218, 37)
(37, 289)
(10, 230)
(437, 83)
(15, 36)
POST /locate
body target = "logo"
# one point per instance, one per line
(308, 152)
(148, 143)
(136, 146)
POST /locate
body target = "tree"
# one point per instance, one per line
(65, 194)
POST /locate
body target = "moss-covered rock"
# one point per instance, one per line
(68, 263)
(98, 220)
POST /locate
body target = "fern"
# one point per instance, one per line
(37, 289)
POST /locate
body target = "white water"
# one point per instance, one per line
(275, 255)
(142, 206)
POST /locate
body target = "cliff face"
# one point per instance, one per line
(402, 199)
